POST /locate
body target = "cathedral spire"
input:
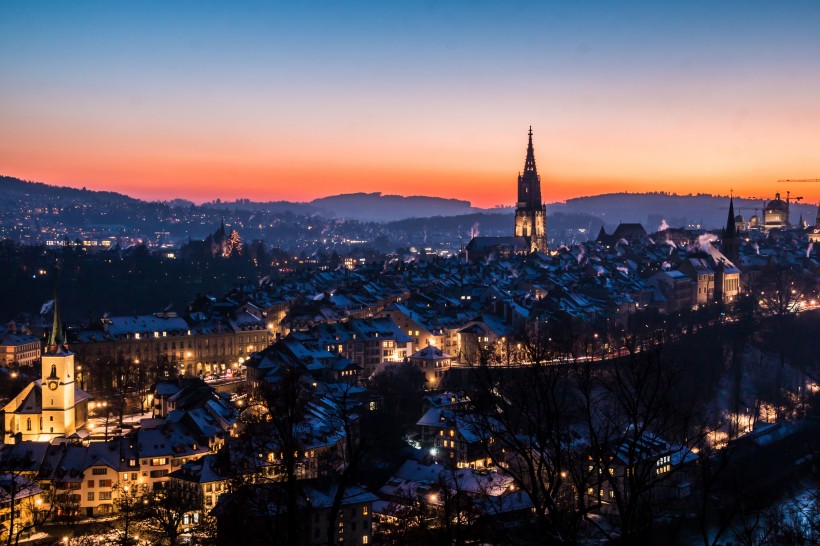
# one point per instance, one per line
(529, 184)
(529, 163)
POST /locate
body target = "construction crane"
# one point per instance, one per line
(799, 181)
(789, 199)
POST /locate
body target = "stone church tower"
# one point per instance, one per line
(52, 406)
(530, 213)
(58, 383)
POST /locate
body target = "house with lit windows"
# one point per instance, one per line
(166, 447)
(456, 438)
(21, 501)
(256, 514)
(365, 342)
(18, 348)
(644, 460)
(433, 362)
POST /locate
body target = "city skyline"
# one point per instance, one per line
(273, 102)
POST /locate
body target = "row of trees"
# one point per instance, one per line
(120, 381)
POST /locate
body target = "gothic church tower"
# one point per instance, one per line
(530, 213)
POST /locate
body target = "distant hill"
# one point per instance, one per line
(377, 207)
(652, 209)
(649, 209)
(15, 191)
(360, 206)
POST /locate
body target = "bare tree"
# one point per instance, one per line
(525, 418)
(131, 504)
(270, 449)
(166, 510)
(344, 416)
(27, 508)
(639, 416)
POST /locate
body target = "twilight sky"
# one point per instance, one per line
(297, 100)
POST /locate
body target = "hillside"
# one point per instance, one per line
(649, 209)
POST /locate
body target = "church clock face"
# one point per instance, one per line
(52, 385)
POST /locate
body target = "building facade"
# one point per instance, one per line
(776, 214)
(18, 348)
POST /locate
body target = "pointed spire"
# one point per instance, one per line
(731, 227)
(529, 163)
(57, 339)
(529, 185)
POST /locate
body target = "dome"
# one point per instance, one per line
(777, 204)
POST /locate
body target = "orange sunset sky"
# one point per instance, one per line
(270, 102)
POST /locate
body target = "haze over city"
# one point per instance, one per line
(293, 101)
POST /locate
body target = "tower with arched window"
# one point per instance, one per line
(52, 406)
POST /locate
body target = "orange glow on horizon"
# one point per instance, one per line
(482, 189)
